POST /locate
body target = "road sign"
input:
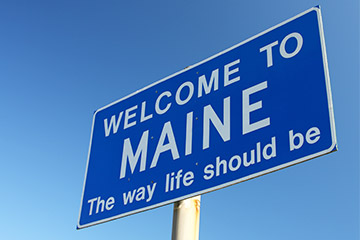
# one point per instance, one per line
(257, 107)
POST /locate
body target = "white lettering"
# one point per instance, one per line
(161, 147)
(178, 92)
(272, 147)
(129, 197)
(189, 131)
(91, 201)
(113, 123)
(110, 203)
(222, 128)
(220, 163)
(237, 166)
(101, 205)
(292, 138)
(299, 43)
(245, 160)
(129, 116)
(133, 159)
(228, 72)
(313, 132)
(214, 81)
(248, 108)
(150, 192)
(209, 172)
(139, 194)
(268, 49)
(157, 103)
(174, 182)
(143, 117)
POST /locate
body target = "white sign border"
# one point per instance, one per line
(294, 162)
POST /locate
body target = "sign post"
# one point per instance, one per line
(186, 219)
(260, 106)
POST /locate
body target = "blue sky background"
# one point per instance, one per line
(62, 60)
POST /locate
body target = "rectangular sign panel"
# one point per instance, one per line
(257, 107)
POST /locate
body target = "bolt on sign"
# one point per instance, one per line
(257, 107)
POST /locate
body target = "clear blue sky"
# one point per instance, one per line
(62, 60)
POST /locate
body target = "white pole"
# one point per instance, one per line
(186, 219)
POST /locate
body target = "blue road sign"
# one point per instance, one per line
(257, 107)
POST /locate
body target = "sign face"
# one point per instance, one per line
(257, 107)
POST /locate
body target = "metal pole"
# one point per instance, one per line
(186, 219)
